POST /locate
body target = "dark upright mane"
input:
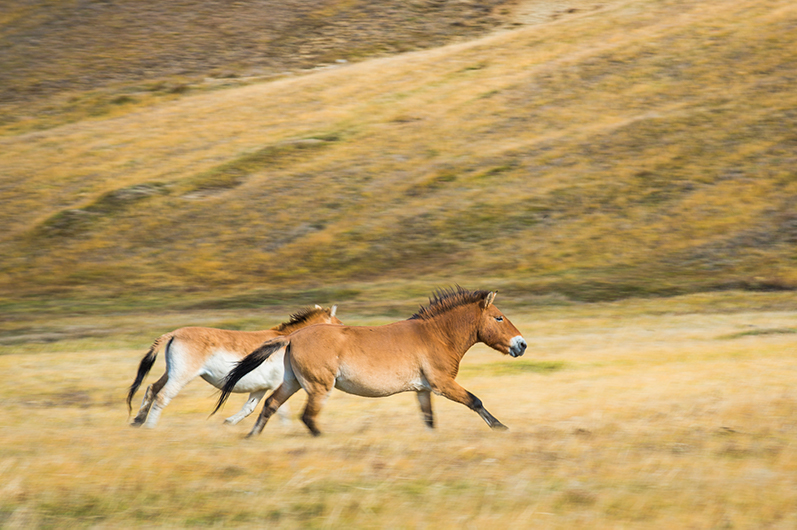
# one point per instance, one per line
(446, 299)
(303, 315)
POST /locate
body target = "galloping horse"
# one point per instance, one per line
(421, 354)
(211, 353)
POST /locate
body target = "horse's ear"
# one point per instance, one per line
(318, 307)
(489, 300)
(334, 308)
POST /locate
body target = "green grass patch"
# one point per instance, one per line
(759, 332)
(234, 173)
(514, 367)
(264, 298)
(70, 222)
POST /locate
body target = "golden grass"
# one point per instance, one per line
(641, 149)
(652, 417)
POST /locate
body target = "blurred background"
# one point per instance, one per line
(592, 151)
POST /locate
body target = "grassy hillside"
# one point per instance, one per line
(52, 46)
(644, 147)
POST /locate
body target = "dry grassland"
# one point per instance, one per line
(676, 413)
(593, 152)
(52, 47)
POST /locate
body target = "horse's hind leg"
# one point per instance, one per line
(316, 396)
(425, 399)
(453, 391)
(288, 388)
(149, 398)
(162, 398)
(248, 408)
(181, 368)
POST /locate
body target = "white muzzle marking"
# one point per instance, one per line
(517, 346)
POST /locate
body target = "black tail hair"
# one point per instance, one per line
(144, 367)
(246, 365)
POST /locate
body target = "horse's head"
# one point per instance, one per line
(496, 331)
(327, 315)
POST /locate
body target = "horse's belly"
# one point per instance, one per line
(266, 376)
(378, 385)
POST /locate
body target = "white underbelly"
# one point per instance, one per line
(267, 376)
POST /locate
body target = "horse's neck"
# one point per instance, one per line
(457, 327)
(304, 323)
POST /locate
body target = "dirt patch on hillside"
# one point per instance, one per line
(541, 11)
(46, 49)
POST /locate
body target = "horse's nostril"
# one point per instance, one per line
(517, 347)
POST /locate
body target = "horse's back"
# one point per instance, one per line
(327, 341)
(363, 360)
(211, 352)
(208, 340)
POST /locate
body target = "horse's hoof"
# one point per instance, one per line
(500, 427)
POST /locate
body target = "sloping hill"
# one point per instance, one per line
(647, 147)
(49, 47)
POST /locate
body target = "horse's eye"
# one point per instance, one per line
(499, 319)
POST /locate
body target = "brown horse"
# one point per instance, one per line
(421, 354)
(211, 353)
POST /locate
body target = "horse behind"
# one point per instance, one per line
(421, 354)
(211, 353)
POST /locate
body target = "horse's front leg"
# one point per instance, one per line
(425, 399)
(284, 413)
(288, 388)
(248, 408)
(453, 391)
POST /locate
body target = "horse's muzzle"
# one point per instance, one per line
(517, 346)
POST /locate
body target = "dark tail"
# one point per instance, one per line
(145, 366)
(247, 364)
